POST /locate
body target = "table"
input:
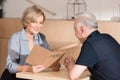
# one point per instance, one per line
(50, 75)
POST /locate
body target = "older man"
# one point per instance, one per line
(100, 53)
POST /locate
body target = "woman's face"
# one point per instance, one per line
(34, 27)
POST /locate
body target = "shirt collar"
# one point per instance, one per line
(24, 35)
(94, 33)
(36, 37)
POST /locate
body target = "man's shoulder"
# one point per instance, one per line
(100, 37)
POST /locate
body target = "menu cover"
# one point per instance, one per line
(42, 56)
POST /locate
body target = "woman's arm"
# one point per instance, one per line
(13, 54)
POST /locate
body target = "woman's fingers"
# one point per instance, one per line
(38, 68)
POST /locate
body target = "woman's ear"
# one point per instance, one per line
(26, 23)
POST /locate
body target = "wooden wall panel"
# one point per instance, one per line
(3, 53)
(9, 26)
(112, 28)
(59, 32)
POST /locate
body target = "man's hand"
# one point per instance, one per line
(56, 66)
(69, 62)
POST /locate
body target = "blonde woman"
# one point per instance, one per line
(21, 43)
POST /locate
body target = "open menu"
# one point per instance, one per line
(42, 56)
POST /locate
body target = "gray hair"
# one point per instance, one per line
(87, 19)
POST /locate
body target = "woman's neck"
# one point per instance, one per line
(30, 40)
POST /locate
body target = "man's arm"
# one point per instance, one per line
(76, 71)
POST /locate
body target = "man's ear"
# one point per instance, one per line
(83, 30)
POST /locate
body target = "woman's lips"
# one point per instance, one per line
(36, 30)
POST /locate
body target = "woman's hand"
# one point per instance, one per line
(38, 68)
(24, 68)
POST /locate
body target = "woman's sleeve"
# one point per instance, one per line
(13, 54)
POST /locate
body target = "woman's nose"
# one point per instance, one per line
(39, 25)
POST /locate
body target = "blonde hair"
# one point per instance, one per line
(30, 14)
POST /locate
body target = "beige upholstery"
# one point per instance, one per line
(59, 33)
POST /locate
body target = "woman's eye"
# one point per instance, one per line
(33, 22)
(41, 22)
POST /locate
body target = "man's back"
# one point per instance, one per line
(108, 54)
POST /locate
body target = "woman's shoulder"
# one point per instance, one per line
(16, 34)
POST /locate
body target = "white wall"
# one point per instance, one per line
(103, 9)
